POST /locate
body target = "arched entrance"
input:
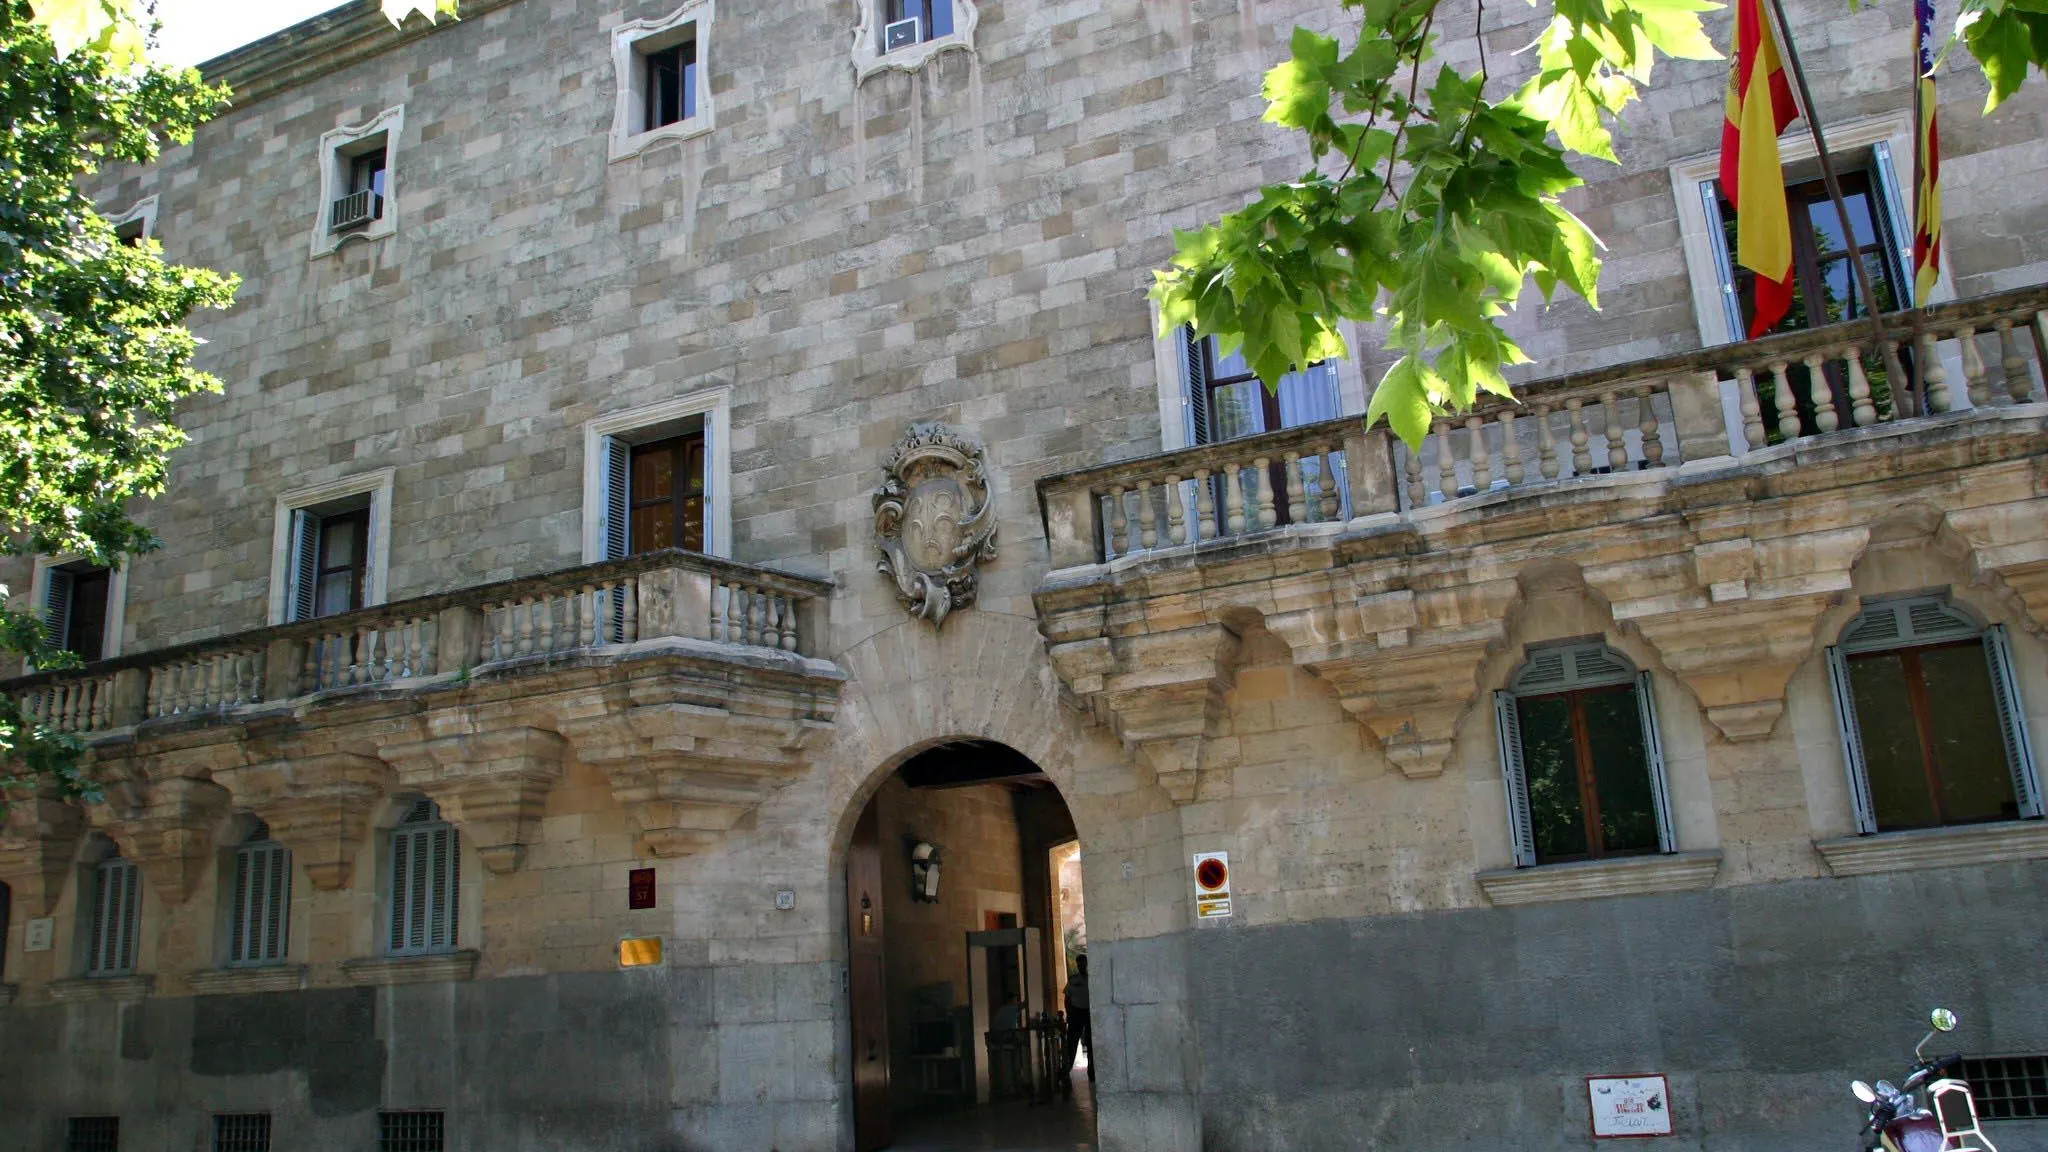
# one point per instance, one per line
(960, 941)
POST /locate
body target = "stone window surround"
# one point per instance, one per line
(335, 149)
(1170, 380)
(627, 77)
(376, 567)
(117, 597)
(715, 405)
(868, 57)
(2006, 841)
(143, 210)
(1592, 879)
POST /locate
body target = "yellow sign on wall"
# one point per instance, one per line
(640, 952)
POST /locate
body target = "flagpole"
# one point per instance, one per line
(1893, 373)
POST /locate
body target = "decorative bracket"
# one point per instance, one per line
(39, 837)
(319, 805)
(1163, 694)
(491, 784)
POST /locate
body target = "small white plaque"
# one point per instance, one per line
(785, 900)
(1626, 1106)
(41, 935)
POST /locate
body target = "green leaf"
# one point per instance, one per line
(397, 10)
(1399, 399)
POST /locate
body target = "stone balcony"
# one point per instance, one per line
(1716, 501)
(692, 682)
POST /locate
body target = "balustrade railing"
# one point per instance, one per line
(662, 594)
(1635, 417)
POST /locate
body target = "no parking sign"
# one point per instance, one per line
(1212, 885)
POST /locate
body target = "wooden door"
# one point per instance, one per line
(868, 987)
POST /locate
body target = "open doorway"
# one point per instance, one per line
(961, 938)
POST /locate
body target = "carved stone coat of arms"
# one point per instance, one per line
(933, 521)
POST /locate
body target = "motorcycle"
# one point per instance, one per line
(1932, 1111)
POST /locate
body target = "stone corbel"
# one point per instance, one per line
(170, 837)
(1404, 664)
(491, 784)
(38, 839)
(690, 769)
(1162, 693)
(320, 806)
(1738, 659)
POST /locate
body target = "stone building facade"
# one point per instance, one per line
(482, 285)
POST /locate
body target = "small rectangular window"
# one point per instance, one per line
(75, 609)
(2009, 1087)
(410, 1132)
(117, 896)
(260, 920)
(426, 883)
(366, 174)
(131, 233)
(93, 1134)
(242, 1132)
(671, 84)
(934, 18)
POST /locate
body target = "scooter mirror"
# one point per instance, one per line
(1943, 1020)
(1863, 1091)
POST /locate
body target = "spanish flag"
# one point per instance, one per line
(1926, 160)
(1759, 108)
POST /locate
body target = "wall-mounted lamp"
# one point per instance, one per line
(924, 870)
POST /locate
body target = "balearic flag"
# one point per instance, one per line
(1759, 108)
(1926, 158)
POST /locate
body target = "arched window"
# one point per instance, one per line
(426, 884)
(1933, 730)
(116, 903)
(1582, 759)
(259, 922)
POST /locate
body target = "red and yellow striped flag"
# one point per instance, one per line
(1759, 107)
(1926, 159)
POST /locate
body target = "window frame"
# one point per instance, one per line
(1583, 666)
(143, 211)
(40, 584)
(603, 438)
(678, 448)
(870, 58)
(1956, 627)
(440, 920)
(286, 549)
(633, 42)
(126, 920)
(339, 148)
(1176, 366)
(273, 918)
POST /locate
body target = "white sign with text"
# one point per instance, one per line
(1629, 1105)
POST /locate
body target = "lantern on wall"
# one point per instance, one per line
(924, 871)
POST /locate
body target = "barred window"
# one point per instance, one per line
(2009, 1087)
(244, 1132)
(116, 899)
(425, 883)
(410, 1132)
(93, 1134)
(260, 920)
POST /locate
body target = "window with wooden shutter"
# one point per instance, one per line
(1582, 758)
(259, 930)
(116, 902)
(57, 608)
(305, 565)
(425, 883)
(618, 502)
(1931, 719)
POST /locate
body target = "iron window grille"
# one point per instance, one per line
(426, 879)
(93, 1134)
(410, 1132)
(260, 919)
(2009, 1087)
(243, 1132)
(117, 894)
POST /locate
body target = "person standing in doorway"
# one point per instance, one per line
(1078, 1030)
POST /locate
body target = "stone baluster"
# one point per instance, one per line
(788, 624)
(631, 628)
(1119, 523)
(1783, 400)
(721, 596)
(1482, 460)
(153, 703)
(2019, 384)
(1646, 424)
(1824, 417)
(1610, 429)
(1933, 376)
(1233, 498)
(103, 705)
(1862, 413)
(1976, 380)
(1329, 506)
(1582, 454)
(1148, 528)
(1297, 507)
(1418, 492)
(1510, 449)
(1546, 445)
(1176, 510)
(1263, 480)
(524, 613)
(1752, 412)
(1446, 464)
(1205, 506)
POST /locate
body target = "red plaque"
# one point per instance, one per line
(640, 888)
